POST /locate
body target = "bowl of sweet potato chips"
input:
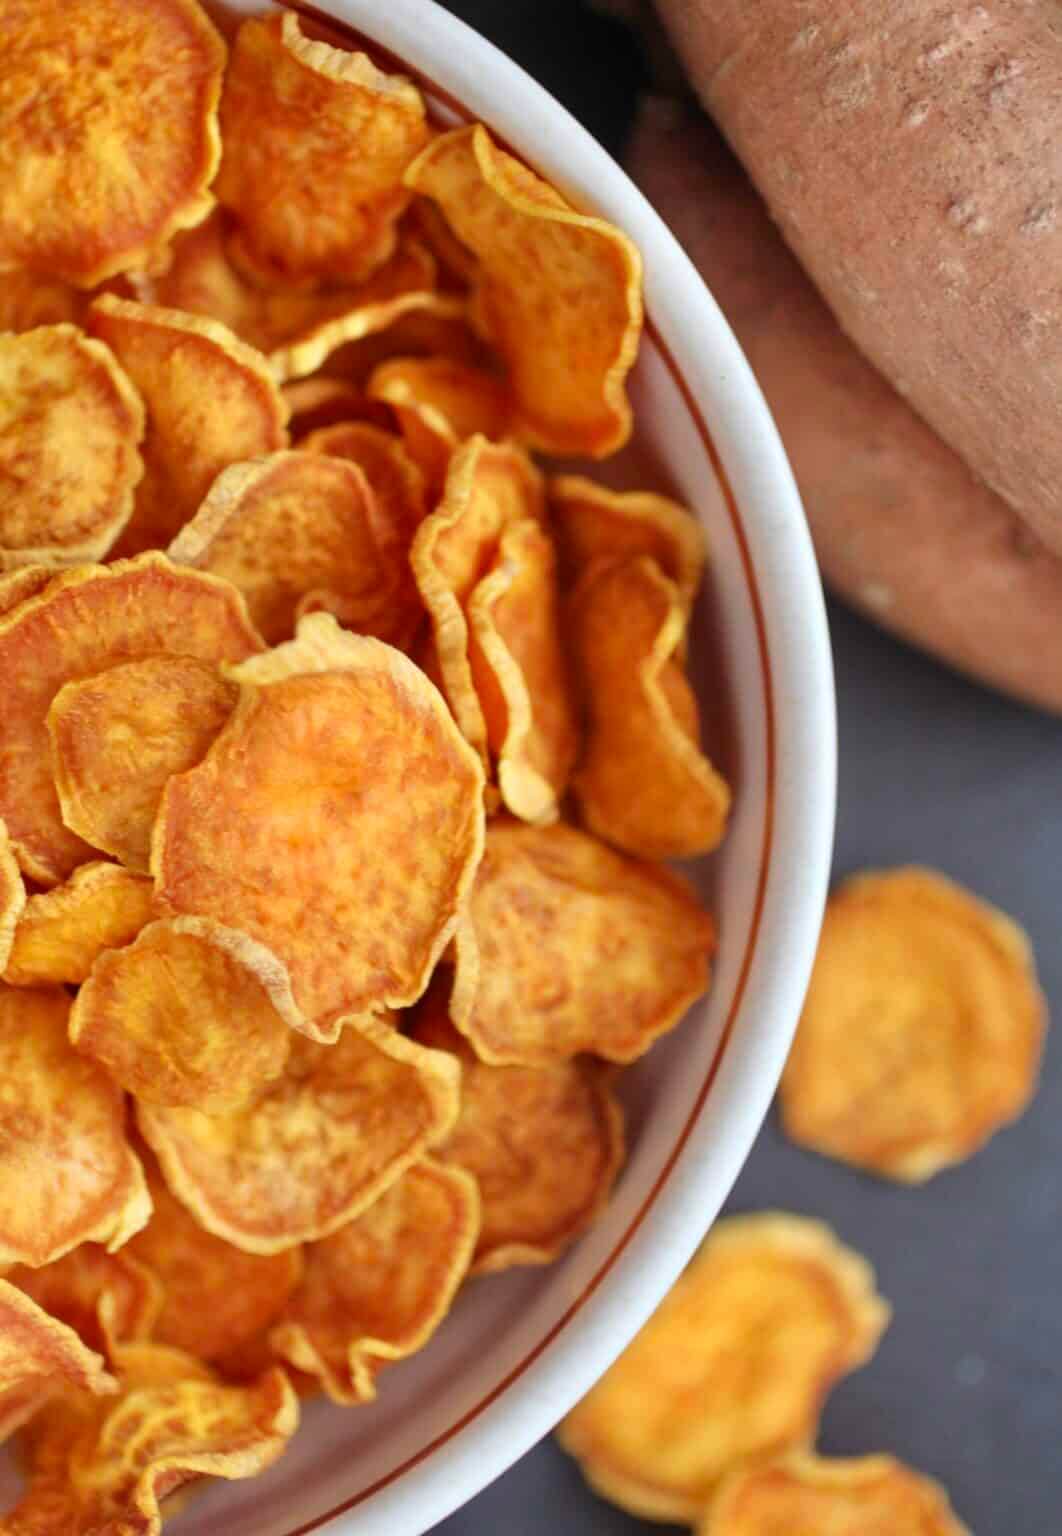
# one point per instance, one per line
(416, 765)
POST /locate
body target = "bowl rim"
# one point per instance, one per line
(458, 66)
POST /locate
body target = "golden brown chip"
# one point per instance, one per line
(376, 1290)
(19, 585)
(70, 422)
(210, 400)
(107, 1298)
(39, 1358)
(395, 480)
(351, 344)
(440, 403)
(643, 782)
(67, 1174)
(316, 141)
(118, 736)
(320, 402)
(733, 1367)
(579, 949)
(861, 1496)
(105, 149)
(62, 931)
(186, 1016)
(922, 1029)
(592, 522)
(543, 1143)
(339, 748)
(458, 267)
(27, 300)
(82, 623)
(12, 895)
(313, 1150)
(558, 294)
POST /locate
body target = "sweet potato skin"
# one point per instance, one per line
(902, 529)
(911, 153)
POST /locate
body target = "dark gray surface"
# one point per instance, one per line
(968, 1381)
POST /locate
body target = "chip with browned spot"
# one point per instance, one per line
(61, 932)
(40, 1357)
(439, 403)
(107, 1298)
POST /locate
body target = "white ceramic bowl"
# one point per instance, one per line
(520, 1349)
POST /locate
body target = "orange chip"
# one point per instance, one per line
(396, 482)
(544, 1144)
(70, 422)
(320, 402)
(439, 403)
(107, 1298)
(217, 1298)
(67, 1175)
(860, 1496)
(339, 748)
(118, 736)
(558, 294)
(354, 342)
(40, 1357)
(17, 586)
(12, 895)
(93, 175)
(733, 1367)
(186, 1015)
(82, 623)
(27, 300)
(922, 1029)
(210, 400)
(62, 931)
(314, 1149)
(579, 949)
(376, 1290)
(591, 522)
(458, 268)
(299, 116)
(643, 782)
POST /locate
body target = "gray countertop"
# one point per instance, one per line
(967, 1384)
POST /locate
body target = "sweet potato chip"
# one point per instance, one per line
(733, 1367)
(543, 1143)
(860, 1496)
(118, 736)
(394, 479)
(643, 782)
(217, 1298)
(316, 141)
(558, 294)
(93, 175)
(62, 931)
(17, 586)
(40, 1357)
(354, 342)
(376, 1290)
(210, 399)
(107, 1298)
(70, 423)
(186, 1016)
(458, 267)
(82, 623)
(320, 402)
(439, 403)
(339, 748)
(591, 522)
(521, 675)
(67, 1175)
(12, 895)
(580, 949)
(27, 300)
(314, 1149)
(922, 1029)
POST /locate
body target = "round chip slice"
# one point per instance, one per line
(82, 623)
(350, 341)
(396, 482)
(93, 175)
(861, 1496)
(62, 931)
(337, 819)
(107, 1298)
(580, 949)
(439, 403)
(67, 1174)
(922, 1029)
(12, 895)
(376, 1290)
(39, 1358)
(117, 737)
(70, 423)
(733, 1367)
(314, 1149)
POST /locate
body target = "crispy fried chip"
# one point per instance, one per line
(314, 1149)
(440, 403)
(186, 1016)
(82, 623)
(591, 522)
(39, 1357)
(93, 175)
(28, 300)
(458, 268)
(210, 400)
(107, 1298)
(339, 748)
(559, 294)
(733, 1367)
(70, 422)
(860, 1496)
(396, 482)
(217, 1298)
(19, 585)
(580, 949)
(353, 343)
(62, 931)
(922, 1029)
(521, 675)
(67, 1174)
(643, 782)
(544, 1144)
(320, 402)
(118, 736)
(299, 116)
(12, 895)
(376, 1290)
